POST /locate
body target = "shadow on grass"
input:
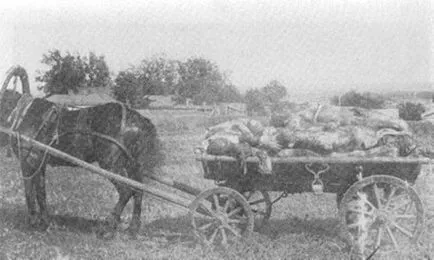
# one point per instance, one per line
(16, 218)
(179, 228)
(170, 230)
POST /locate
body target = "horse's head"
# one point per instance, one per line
(8, 101)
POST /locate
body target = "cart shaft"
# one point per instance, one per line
(110, 175)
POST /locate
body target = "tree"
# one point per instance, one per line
(97, 71)
(274, 91)
(201, 81)
(70, 73)
(411, 111)
(365, 100)
(126, 87)
(230, 93)
(255, 101)
(158, 76)
(197, 79)
(268, 96)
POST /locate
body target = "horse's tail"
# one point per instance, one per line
(147, 147)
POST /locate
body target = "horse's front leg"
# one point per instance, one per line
(41, 197)
(29, 190)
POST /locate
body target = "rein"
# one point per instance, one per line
(17, 115)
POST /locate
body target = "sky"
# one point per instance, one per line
(309, 46)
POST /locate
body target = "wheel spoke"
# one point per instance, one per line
(204, 215)
(240, 219)
(234, 211)
(359, 211)
(226, 206)
(403, 230)
(377, 196)
(216, 201)
(233, 231)
(214, 234)
(365, 200)
(400, 205)
(392, 193)
(235, 221)
(379, 237)
(224, 236)
(208, 211)
(206, 226)
(409, 206)
(392, 237)
(405, 216)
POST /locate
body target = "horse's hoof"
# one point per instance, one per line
(132, 233)
(32, 221)
(105, 233)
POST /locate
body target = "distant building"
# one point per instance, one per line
(159, 101)
(82, 100)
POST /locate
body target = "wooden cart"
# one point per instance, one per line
(377, 204)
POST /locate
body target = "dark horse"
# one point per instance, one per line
(118, 138)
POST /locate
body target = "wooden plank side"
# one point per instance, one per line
(399, 160)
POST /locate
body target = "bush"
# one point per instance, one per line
(365, 100)
(411, 111)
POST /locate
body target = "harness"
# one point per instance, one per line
(17, 115)
(54, 116)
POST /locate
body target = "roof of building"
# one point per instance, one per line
(91, 99)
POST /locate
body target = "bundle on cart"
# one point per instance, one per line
(312, 130)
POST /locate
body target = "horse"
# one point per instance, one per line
(118, 138)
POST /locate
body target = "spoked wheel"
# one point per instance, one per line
(382, 214)
(261, 206)
(220, 215)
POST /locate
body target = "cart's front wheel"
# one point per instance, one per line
(220, 215)
(261, 206)
(382, 214)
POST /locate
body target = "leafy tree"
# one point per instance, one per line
(126, 87)
(255, 101)
(230, 93)
(411, 111)
(97, 71)
(158, 76)
(200, 80)
(69, 73)
(364, 100)
(268, 96)
(274, 91)
(197, 79)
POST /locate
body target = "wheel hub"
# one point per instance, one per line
(383, 216)
(222, 218)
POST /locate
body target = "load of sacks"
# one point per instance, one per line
(310, 130)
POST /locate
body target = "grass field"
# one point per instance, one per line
(302, 226)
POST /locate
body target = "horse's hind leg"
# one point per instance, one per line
(124, 196)
(137, 212)
(125, 193)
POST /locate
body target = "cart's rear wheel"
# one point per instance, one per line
(261, 206)
(220, 215)
(382, 214)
